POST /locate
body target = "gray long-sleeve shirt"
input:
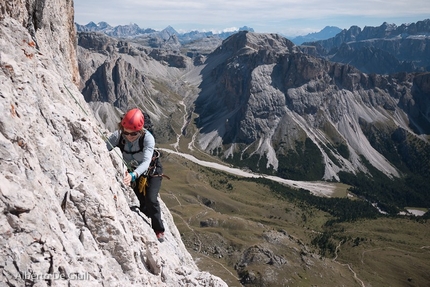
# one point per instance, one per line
(139, 161)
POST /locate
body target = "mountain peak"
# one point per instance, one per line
(246, 28)
(253, 40)
(103, 25)
(170, 30)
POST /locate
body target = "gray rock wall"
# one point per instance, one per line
(65, 218)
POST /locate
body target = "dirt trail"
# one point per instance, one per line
(348, 265)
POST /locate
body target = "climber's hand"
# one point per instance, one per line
(127, 178)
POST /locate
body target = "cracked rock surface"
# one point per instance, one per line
(65, 216)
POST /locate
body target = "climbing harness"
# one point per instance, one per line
(151, 172)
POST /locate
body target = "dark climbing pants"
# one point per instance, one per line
(149, 204)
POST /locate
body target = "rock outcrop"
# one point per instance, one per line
(270, 97)
(385, 49)
(65, 216)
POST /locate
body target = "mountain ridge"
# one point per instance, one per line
(385, 49)
(133, 30)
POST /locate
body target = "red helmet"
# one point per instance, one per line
(133, 120)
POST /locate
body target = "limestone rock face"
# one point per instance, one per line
(65, 216)
(49, 23)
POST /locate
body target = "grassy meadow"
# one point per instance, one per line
(236, 227)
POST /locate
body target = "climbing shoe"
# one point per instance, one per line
(160, 236)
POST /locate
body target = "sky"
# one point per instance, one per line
(286, 17)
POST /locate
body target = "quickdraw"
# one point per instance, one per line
(143, 183)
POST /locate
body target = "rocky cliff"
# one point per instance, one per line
(385, 49)
(263, 101)
(65, 216)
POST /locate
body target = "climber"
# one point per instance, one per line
(144, 172)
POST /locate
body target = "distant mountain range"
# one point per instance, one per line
(134, 31)
(203, 42)
(384, 49)
(326, 33)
